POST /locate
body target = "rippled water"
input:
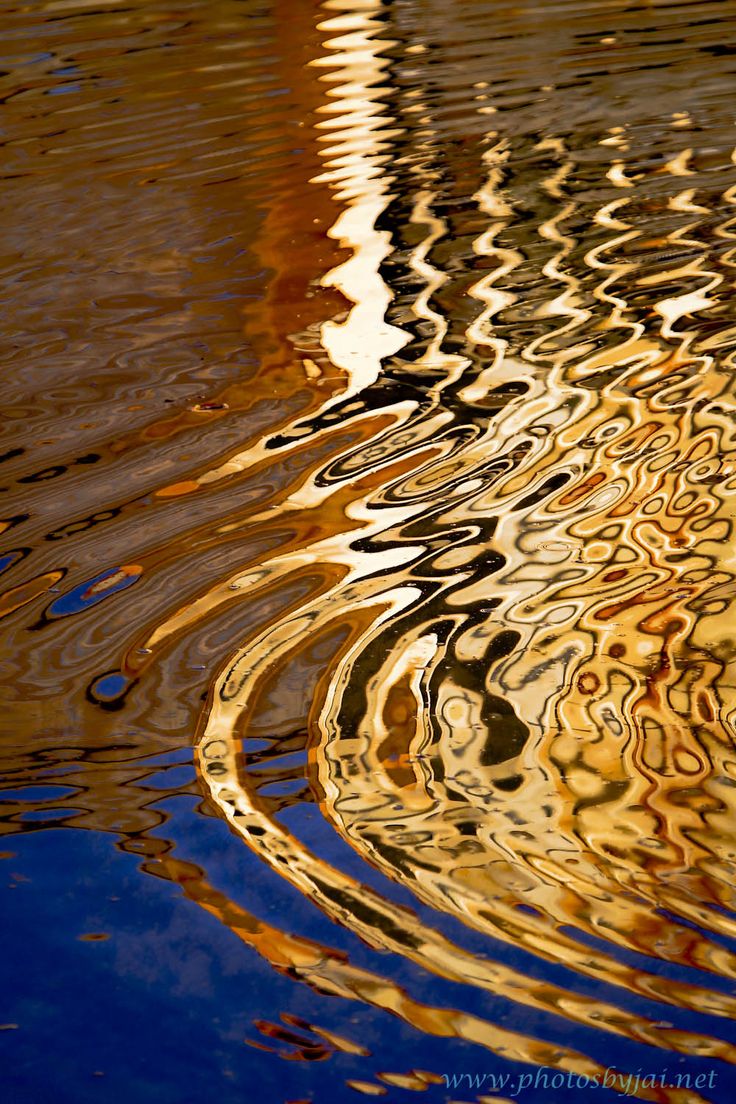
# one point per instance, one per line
(369, 469)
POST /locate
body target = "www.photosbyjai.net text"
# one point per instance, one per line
(624, 1084)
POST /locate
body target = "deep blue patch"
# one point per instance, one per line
(83, 597)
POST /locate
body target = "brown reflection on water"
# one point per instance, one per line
(187, 357)
(374, 379)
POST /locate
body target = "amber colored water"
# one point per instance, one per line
(368, 562)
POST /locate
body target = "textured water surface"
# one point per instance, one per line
(368, 572)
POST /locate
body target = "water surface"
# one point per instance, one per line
(369, 475)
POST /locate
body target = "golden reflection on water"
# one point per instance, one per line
(454, 521)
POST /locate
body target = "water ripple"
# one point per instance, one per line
(397, 473)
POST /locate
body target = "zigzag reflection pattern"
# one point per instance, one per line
(489, 532)
(530, 717)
